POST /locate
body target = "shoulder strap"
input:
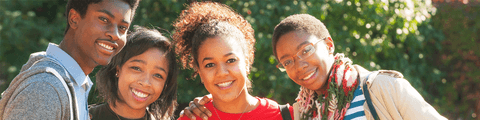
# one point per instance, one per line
(67, 85)
(285, 112)
(368, 100)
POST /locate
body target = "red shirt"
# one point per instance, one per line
(267, 110)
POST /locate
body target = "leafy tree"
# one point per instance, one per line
(386, 34)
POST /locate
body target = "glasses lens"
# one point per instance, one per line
(306, 51)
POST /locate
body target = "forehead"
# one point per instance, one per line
(152, 57)
(118, 7)
(289, 43)
(293, 38)
(220, 45)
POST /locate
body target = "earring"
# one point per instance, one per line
(116, 74)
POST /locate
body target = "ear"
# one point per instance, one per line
(330, 45)
(117, 70)
(195, 69)
(73, 18)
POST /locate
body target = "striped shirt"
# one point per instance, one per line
(356, 111)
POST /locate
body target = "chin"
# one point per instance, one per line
(102, 61)
(227, 97)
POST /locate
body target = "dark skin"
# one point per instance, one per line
(94, 39)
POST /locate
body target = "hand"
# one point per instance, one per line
(196, 107)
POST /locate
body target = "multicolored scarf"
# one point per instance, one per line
(333, 103)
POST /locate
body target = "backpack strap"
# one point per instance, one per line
(67, 84)
(285, 112)
(369, 100)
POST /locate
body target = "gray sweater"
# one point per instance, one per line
(36, 93)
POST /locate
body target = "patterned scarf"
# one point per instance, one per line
(335, 100)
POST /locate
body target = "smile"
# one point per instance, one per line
(108, 47)
(225, 85)
(139, 94)
(310, 75)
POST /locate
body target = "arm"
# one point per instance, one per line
(196, 107)
(39, 100)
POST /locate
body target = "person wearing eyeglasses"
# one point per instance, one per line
(332, 86)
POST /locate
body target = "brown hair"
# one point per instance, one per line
(203, 20)
(199, 13)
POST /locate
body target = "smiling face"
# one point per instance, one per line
(222, 68)
(141, 79)
(101, 33)
(310, 72)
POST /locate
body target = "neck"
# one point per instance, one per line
(71, 49)
(125, 111)
(243, 103)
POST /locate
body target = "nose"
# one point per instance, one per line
(222, 70)
(144, 81)
(113, 33)
(300, 64)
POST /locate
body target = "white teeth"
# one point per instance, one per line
(225, 84)
(139, 94)
(106, 46)
(308, 77)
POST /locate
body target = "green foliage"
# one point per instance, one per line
(459, 59)
(387, 34)
(27, 27)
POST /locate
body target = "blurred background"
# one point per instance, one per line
(435, 44)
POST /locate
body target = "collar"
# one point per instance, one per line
(70, 64)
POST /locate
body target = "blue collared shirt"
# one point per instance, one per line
(81, 82)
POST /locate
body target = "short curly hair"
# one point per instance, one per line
(138, 42)
(299, 22)
(199, 13)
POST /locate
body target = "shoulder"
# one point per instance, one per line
(387, 78)
(39, 97)
(268, 103)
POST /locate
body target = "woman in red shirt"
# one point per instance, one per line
(219, 45)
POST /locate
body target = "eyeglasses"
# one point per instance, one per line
(305, 52)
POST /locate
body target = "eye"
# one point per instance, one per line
(123, 28)
(158, 76)
(136, 68)
(307, 50)
(231, 60)
(209, 65)
(103, 19)
(287, 63)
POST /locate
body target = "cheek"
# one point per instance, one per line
(126, 78)
(159, 87)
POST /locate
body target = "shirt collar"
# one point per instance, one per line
(70, 64)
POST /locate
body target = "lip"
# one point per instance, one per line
(311, 79)
(139, 98)
(105, 50)
(223, 88)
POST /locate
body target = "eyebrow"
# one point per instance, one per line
(160, 68)
(111, 15)
(141, 61)
(209, 58)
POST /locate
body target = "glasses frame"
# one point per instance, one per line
(283, 69)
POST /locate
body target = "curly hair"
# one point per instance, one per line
(299, 22)
(138, 42)
(199, 13)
